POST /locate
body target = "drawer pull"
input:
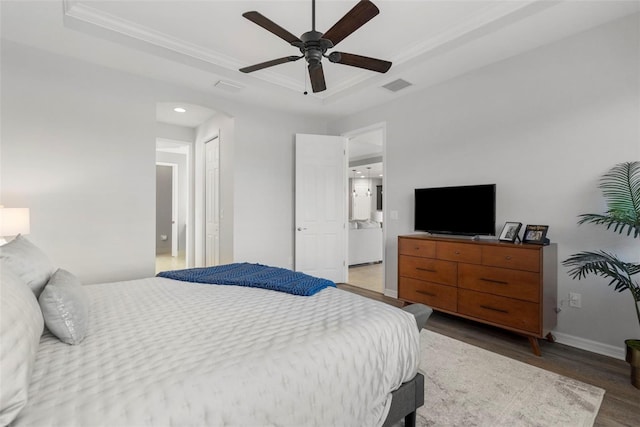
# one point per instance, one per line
(426, 269)
(497, 282)
(426, 293)
(494, 309)
(508, 257)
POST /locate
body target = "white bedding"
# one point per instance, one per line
(160, 352)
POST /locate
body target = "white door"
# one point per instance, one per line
(320, 206)
(212, 205)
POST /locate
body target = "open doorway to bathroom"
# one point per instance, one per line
(172, 160)
(366, 225)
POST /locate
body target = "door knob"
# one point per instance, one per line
(302, 228)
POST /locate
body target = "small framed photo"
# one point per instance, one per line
(535, 234)
(510, 231)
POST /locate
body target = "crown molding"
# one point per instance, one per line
(415, 52)
(93, 16)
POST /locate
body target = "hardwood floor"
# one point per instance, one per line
(368, 276)
(621, 403)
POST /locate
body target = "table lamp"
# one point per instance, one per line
(13, 221)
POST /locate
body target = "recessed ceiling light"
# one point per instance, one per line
(358, 172)
(179, 110)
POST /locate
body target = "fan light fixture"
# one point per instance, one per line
(313, 45)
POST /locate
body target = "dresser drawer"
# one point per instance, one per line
(431, 294)
(417, 247)
(519, 284)
(518, 314)
(459, 252)
(431, 270)
(509, 257)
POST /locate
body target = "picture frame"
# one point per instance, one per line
(510, 232)
(535, 234)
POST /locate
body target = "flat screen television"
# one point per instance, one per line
(468, 210)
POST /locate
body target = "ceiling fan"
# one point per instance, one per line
(313, 45)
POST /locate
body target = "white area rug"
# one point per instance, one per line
(470, 386)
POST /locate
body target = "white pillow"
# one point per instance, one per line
(21, 326)
(28, 262)
(65, 307)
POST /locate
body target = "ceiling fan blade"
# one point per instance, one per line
(271, 63)
(316, 75)
(359, 15)
(269, 25)
(365, 62)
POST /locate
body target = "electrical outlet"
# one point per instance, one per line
(575, 300)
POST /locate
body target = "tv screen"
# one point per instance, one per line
(466, 210)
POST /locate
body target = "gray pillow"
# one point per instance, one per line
(21, 326)
(65, 307)
(28, 262)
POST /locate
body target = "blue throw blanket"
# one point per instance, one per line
(253, 275)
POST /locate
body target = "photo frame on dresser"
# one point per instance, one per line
(535, 234)
(510, 232)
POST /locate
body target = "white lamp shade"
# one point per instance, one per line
(14, 221)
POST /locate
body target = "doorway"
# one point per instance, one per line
(366, 204)
(172, 204)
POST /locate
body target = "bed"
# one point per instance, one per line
(160, 352)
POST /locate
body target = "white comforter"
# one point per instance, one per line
(160, 352)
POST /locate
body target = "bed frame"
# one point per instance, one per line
(406, 400)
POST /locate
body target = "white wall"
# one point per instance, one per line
(264, 184)
(543, 126)
(78, 148)
(175, 132)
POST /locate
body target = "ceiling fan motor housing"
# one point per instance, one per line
(313, 47)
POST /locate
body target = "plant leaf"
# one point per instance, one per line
(604, 265)
(621, 189)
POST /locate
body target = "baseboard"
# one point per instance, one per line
(589, 345)
(391, 293)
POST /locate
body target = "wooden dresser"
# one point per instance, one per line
(512, 286)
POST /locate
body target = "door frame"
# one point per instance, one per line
(215, 196)
(352, 134)
(186, 150)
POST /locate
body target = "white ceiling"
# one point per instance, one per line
(200, 43)
(193, 115)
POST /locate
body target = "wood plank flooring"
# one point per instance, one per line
(621, 403)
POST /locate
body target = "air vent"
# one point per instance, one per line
(397, 85)
(229, 86)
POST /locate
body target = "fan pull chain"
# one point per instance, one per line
(313, 15)
(304, 77)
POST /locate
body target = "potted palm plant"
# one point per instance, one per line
(621, 189)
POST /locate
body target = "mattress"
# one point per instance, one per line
(160, 352)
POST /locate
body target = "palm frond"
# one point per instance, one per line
(604, 265)
(621, 189)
